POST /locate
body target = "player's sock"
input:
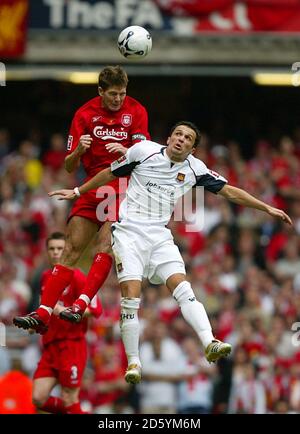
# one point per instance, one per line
(60, 278)
(53, 405)
(129, 325)
(193, 312)
(75, 409)
(97, 275)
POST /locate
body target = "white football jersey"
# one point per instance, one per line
(156, 182)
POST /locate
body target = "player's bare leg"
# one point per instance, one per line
(79, 233)
(41, 390)
(97, 275)
(129, 324)
(194, 313)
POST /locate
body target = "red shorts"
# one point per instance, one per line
(64, 360)
(98, 210)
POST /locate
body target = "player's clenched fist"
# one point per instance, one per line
(84, 144)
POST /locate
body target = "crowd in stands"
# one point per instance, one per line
(243, 265)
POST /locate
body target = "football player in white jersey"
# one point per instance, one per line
(142, 244)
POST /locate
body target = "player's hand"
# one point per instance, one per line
(275, 212)
(84, 144)
(58, 309)
(116, 147)
(63, 194)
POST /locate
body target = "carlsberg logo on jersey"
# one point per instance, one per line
(105, 133)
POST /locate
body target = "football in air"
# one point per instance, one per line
(134, 42)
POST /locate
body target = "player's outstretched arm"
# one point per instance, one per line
(98, 180)
(241, 197)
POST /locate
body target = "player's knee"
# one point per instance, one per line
(39, 399)
(183, 293)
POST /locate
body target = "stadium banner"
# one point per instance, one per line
(182, 17)
(13, 28)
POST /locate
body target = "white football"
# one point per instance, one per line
(134, 42)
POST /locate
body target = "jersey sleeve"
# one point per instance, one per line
(77, 129)
(210, 180)
(139, 129)
(125, 164)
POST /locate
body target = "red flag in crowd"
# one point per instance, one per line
(13, 27)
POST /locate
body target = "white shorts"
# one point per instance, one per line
(145, 251)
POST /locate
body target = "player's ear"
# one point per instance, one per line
(168, 140)
(193, 150)
(100, 90)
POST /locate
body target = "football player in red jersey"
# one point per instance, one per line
(64, 353)
(107, 124)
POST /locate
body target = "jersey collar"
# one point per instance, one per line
(164, 153)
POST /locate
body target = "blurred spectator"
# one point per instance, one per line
(195, 393)
(163, 366)
(54, 158)
(289, 264)
(249, 396)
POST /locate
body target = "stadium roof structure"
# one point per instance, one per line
(94, 47)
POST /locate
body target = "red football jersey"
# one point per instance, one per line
(61, 329)
(127, 126)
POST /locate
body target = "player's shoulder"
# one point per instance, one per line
(147, 147)
(197, 165)
(133, 103)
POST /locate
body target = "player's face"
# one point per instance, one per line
(181, 142)
(54, 250)
(113, 97)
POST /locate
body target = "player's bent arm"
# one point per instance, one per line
(72, 160)
(241, 197)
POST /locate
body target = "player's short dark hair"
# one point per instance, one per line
(55, 236)
(112, 76)
(192, 127)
